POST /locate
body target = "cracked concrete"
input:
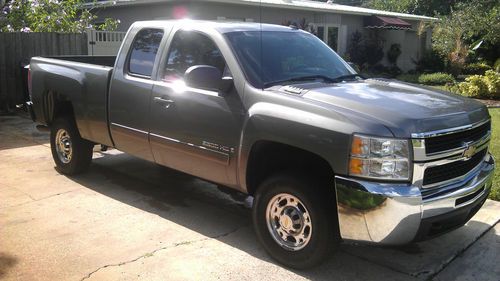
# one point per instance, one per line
(150, 254)
(128, 219)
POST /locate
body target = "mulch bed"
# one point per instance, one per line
(490, 103)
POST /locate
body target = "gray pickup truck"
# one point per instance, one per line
(273, 112)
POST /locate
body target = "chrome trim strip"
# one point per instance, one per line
(166, 138)
(129, 128)
(448, 131)
(191, 149)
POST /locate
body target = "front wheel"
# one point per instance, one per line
(70, 152)
(295, 220)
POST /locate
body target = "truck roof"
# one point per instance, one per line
(221, 27)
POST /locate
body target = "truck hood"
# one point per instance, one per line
(403, 108)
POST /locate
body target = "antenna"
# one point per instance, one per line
(261, 47)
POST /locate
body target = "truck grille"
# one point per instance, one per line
(452, 170)
(455, 140)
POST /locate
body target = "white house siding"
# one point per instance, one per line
(411, 44)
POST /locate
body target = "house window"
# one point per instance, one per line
(143, 52)
(332, 36)
(329, 34)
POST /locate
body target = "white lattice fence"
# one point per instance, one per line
(104, 43)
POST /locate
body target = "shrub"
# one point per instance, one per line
(496, 66)
(374, 48)
(393, 53)
(437, 78)
(492, 79)
(430, 62)
(410, 78)
(355, 50)
(476, 68)
(474, 87)
(480, 86)
(381, 71)
(453, 88)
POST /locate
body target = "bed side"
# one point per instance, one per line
(75, 88)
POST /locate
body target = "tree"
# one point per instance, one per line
(50, 16)
(418, 7)
(455, 35)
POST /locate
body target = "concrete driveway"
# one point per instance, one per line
(127, 219)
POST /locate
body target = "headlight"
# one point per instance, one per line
(379, 158)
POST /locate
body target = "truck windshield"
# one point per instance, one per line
(287, 57)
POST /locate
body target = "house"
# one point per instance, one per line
(333, 23)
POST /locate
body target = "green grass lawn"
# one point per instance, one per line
(495, 150)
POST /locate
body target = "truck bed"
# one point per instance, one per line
(81, 80)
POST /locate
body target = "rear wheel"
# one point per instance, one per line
(295, 220)
(70, 152)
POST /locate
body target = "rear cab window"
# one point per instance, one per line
(143, 52)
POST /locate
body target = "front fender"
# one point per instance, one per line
(326, 137)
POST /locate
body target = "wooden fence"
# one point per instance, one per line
(17, 48)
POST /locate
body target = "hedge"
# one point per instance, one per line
(437, 78)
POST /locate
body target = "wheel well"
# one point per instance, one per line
(56, 106)
(267, 158)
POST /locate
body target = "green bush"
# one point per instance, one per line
(430, 62)
(496, 66)
(453, 88)
(478, 68)
(480, 86)
(393, 53)
(410, 78)
(437, 78)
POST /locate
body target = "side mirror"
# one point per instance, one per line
(204, 77)
(226, 84)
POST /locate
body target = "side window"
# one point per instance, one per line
(190, 48)
(143, 51)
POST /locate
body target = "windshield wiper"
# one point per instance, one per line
(300, 78)
(312, 77)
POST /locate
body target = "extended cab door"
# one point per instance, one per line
(130, 92)
(192, 130)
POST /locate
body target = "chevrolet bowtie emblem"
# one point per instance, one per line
(469, 151)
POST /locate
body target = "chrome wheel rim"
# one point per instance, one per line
(289, 222)
(64, 148)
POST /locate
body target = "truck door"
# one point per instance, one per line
(192, 130)
(130, 93)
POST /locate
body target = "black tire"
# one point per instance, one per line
(81, 149)
(322, 211)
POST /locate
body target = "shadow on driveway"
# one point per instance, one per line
(201, 207)
(6, 262)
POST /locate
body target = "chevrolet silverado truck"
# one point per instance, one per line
(273, 112)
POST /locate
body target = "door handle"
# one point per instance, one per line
(165, 102)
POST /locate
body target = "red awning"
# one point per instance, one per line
(386, 23)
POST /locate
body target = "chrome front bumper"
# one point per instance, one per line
(398, 213)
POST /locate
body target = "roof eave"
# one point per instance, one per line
(285, 5)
